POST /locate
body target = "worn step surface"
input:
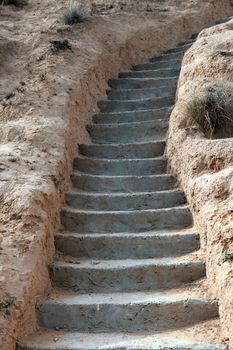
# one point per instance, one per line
(143, 245)
(125, 221)
(135, 105)
(164, 64)
(142, 83)
(132, 116)
(146, 166)
(126, 275)
(167, 72)
(127, 238)
(124, 312)
(148, 149)
(134, 94)
(172, 340)
(125, 201)
(128, 132)
(126, 184)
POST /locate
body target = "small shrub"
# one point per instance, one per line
(73, 14)
(212, 109)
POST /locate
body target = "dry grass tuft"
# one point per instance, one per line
(17, 3)
(212, 110)
(73, 13)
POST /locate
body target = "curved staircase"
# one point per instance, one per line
(128, 274)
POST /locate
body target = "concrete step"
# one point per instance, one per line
(126, 275)
(148, 166)
(132, 116)
(125, 201)
(142, 83)
(124, 312)
(155, 244)
(180, 48)
(156, 73)
(126, 184)
(110, 106)
(63, 340)
(164, 64)
(126, 133)
(138, 94)
(169, 56)
(150, 149)
(76, 220)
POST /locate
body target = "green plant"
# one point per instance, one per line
(73, 13)
(212, 109)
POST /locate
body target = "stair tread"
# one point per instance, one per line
(104, 212)
(138, 90)
(145, 99)
(149, 142)
(152, 70)
(156, 176)
(147, 123)
(186, 294)
(123, 194)
(132, 112)
(121, 159)
(157, 65)
(146, 234)
(109, 264)
(198, 337)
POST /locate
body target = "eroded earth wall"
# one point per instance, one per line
(204, 167)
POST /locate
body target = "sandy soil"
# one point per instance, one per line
(46, 100)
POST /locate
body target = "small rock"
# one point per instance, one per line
(57, 45)
(10, 95)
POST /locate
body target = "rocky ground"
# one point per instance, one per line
(47, 98)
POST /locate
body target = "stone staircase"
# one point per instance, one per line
(128, 273)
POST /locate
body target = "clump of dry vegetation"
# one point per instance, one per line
(212, 110)
(14, 2)
(73, 14)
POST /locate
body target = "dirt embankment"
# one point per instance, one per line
(205, 167)
(47, 99)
